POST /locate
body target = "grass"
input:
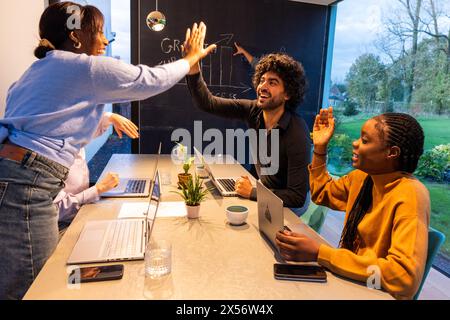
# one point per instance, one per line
(437, 131)
(440, 213)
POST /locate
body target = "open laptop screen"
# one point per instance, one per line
(156, 193)
(153, 205)
(270, 212)
(154, 198)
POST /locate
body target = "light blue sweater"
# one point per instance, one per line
(55, 107)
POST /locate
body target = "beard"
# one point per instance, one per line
(272, 103)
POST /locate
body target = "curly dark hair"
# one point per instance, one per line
(290, 71)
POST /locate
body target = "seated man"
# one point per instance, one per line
(77, 191)
(280, 85)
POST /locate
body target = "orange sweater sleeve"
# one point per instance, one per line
(326, 191)
(402, 269)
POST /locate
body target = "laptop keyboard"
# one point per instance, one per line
(135, 186)
(122, 238)
(228, 184)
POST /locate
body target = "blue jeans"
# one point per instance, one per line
(28, 220)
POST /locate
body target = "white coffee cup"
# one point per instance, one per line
(237, 215)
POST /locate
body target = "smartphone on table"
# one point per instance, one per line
(310, 273)
(98, 273)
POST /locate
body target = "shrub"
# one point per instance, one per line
(340, 153)
(435, 163)
(350, 108)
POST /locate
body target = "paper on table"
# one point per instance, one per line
(133, 210)
(171, 209)
(139, 209)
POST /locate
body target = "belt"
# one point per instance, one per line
(14, 152)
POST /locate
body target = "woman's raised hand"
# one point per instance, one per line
(194, 46)
(323, 128)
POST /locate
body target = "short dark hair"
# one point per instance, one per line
(289, 70)
(53, 25)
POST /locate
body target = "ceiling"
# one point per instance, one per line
(320, 2)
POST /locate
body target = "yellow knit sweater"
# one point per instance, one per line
(393, 234)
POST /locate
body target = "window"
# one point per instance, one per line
(388, 58)
(117, 31)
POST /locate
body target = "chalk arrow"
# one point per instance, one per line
(226, 37)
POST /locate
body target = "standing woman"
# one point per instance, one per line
(387, 209)
(52, 111)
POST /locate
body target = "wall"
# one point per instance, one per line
(19, 36)
(299, 29)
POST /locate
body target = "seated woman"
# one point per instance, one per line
(77, 191)
(387, 208)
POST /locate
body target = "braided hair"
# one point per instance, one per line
(349, 237)
(395, 129)
(403, 131)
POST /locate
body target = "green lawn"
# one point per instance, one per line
(440, 213)
(437, 131)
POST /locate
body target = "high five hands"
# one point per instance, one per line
(193, 48)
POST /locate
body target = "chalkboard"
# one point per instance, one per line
(260, 26)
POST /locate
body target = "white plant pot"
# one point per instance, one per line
(193, 212)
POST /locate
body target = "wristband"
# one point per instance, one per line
(319, 154)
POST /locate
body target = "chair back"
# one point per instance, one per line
(315, 216)
(435, 241)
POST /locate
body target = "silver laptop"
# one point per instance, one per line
(133, 188)
(225, 184)
(270, 213)
(117, 240)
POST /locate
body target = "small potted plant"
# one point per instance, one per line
(193, 194)
(181, 155)
(183, 178)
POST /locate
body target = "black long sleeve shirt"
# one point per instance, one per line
(291, 182)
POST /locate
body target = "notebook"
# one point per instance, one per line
(270, 213)
(133, 188)
(225, 184)
(271, 220)
(117, 240)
